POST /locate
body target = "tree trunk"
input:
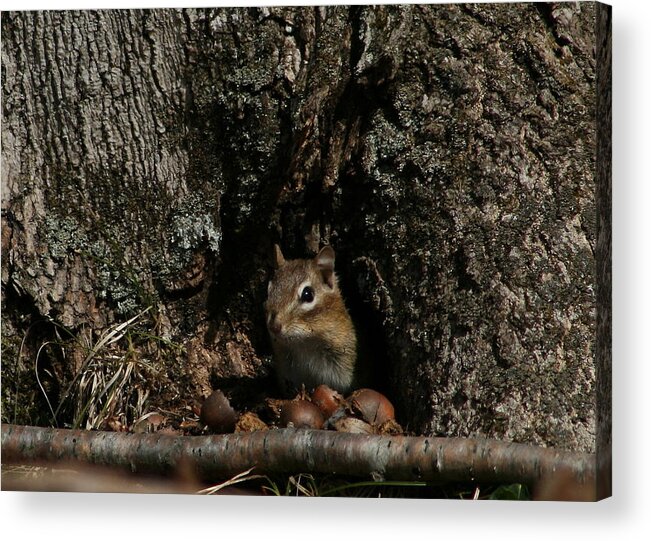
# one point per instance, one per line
(447, 152)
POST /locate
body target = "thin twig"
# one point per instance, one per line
(239, 478)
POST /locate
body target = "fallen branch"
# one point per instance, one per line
(301, 450)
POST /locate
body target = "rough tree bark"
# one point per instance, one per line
(149, 158)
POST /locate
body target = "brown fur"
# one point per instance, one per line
(313, 343)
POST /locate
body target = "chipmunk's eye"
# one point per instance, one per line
(307, 295)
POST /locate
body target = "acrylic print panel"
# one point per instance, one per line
(208, 214)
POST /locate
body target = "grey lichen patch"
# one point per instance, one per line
(118, 279)
(115, 288)
(193, 225)
(63, 235)
(252, 59)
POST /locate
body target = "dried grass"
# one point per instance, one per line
(112, 381)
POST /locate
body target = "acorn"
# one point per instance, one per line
(301, 414)
(353, 425)
(217, 413)
(327, 400)
(372, 406)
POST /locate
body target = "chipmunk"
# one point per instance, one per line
(312, 335)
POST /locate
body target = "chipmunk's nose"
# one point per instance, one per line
(274, 325)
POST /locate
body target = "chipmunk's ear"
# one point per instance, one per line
(325, 260)
(277, 260)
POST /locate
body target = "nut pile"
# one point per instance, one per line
(365, 411)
